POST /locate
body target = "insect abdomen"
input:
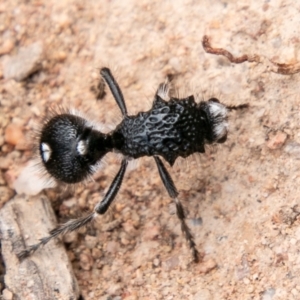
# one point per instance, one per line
(178, 127)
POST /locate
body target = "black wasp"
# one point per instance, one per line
(70, 147)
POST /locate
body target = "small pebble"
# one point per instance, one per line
(151, 233)
(156, 262)
(27, 61)
(7, 294)
(295, 292)
(91, 241)
(171, 263)
(14, 134)
(112, 247)
(246, 281)
(203, 295)
(114, 289)
(60, 56)
(250, 289)
(293, 149)
(86, 261)
(5, 195)
(70, 237)
(129, 228)
(6, 47)
(206, 266)
(5, 162)
(277, 140)
(96, 253)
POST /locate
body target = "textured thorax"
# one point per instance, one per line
(170, 129)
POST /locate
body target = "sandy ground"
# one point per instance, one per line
(241, 197)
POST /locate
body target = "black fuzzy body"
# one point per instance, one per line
(70, 146)
(178, 127)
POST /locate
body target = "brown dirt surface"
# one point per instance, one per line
(241, 197)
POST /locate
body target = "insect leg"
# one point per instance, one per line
(173, 193)
(114, 188)
(237, 107)
(75, 224)
(115, 89)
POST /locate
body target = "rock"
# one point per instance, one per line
(5, 195)
(26, 62)
(144, 253)
(86, 261)
(293, 148)
(14, 134)
(151, 233)
(171, 263)
(206, 266)
(6, 47)
(7, 295)
(203, 294)
(277, 140)
(48, 273)
(91, 241)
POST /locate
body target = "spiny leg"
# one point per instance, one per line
(75, 224)
(231, 107)
(115, 89)
(173, 193)
(114, 188)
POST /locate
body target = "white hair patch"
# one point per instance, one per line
(46, 152)
(217, 110)
(82, 147)
(219, 113)
(163, 91)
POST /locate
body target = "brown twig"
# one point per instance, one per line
(286, 69)
(220, 51)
